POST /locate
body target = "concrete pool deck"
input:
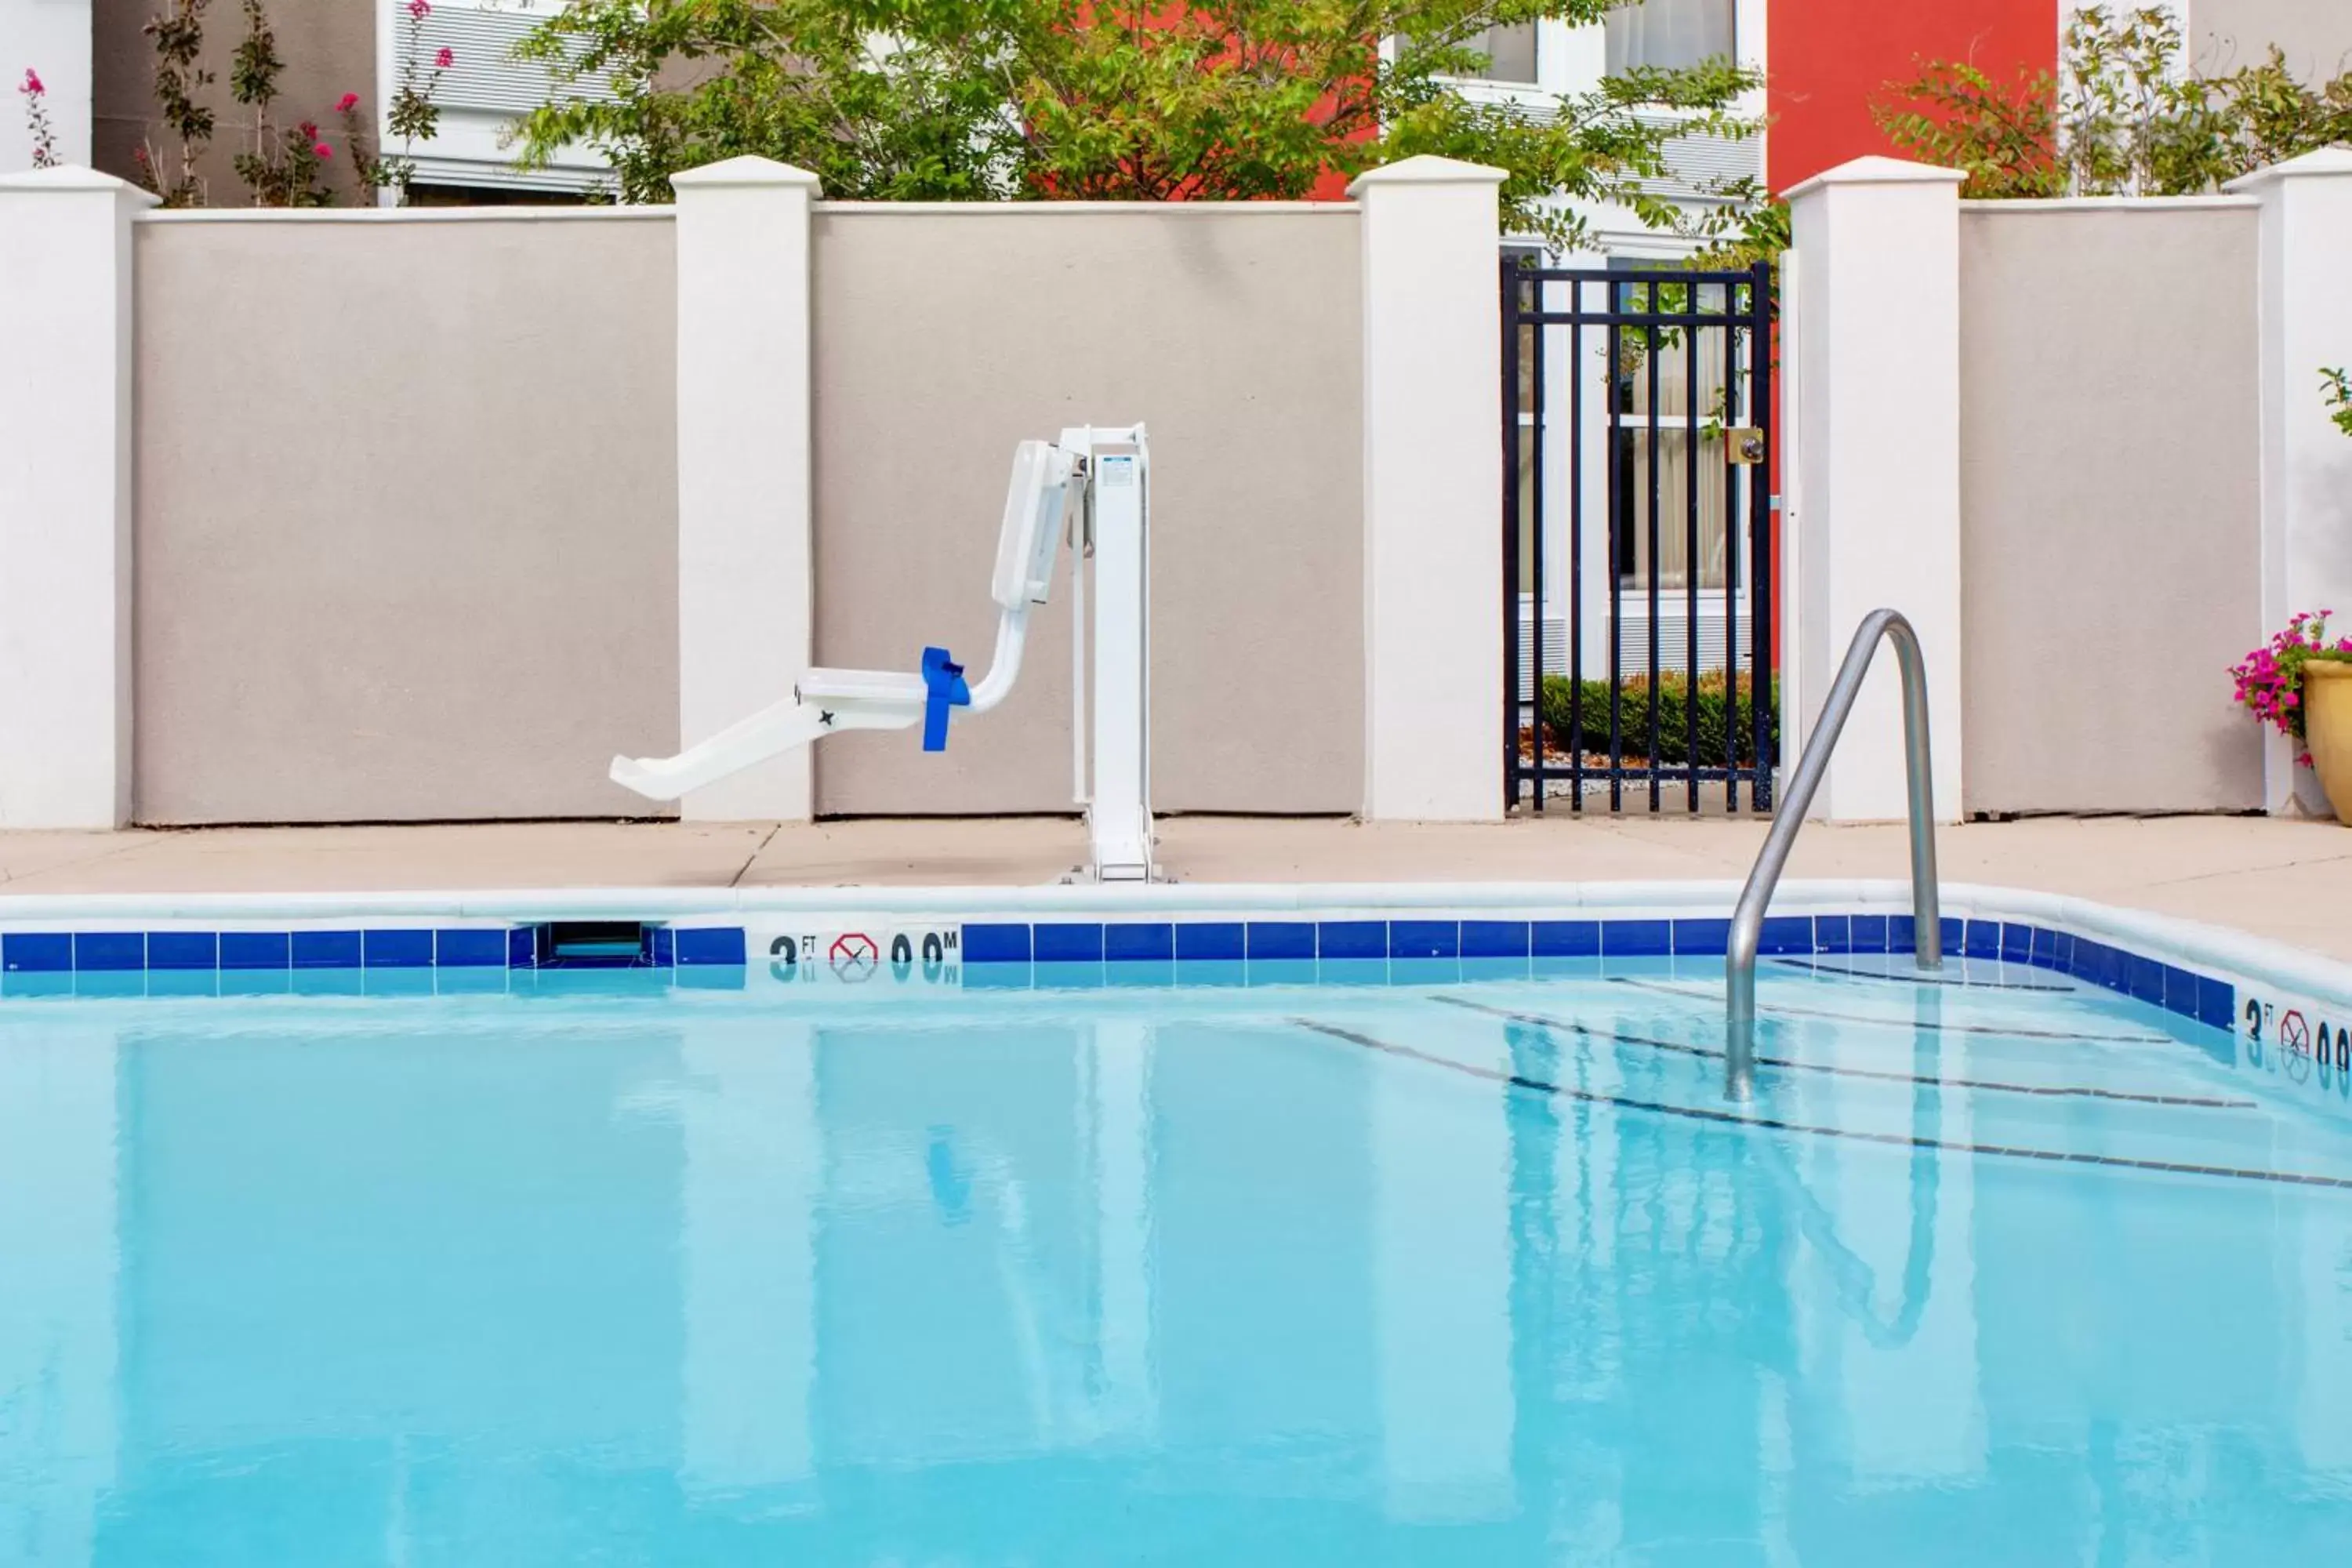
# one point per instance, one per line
(2284, 880)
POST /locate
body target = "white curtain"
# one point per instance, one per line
(1510, 52)
(1670, 466)
(1671, 33)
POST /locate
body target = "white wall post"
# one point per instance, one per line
(65, 499)
(1433, 487)
(2306, 464)
(745, 628)
(1878, 433)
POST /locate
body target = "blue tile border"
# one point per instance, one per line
(1637, 938)
(1209, 941)
(1436, 951)
(1425, 939)
(184, 950)
(1064, 942)
(1701, 938)
(1142, 942)
(1281, 938)
(326, 949)
(996, 943)
(256, 950)
(475, 949)
(37, 953)
(720, 947)
(1498, 939)
(111, 951)
(1350, 951)
(1351, 939)
(1567, 938)
(396, 949)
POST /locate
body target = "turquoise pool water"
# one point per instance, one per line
(2019, 1273)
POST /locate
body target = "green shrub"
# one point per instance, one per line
(1674, 722)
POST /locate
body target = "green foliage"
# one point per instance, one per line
(178, 36)
(254, 68)
(2338, 393)
(921, 117)
(2122, 118)
(1111, 100)
(413, 115)
(2001, 135)
(282, 165)
(1560, 697)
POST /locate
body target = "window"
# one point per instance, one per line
(1510, 52)
(1671, 34)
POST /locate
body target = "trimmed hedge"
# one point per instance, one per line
(1674, 725)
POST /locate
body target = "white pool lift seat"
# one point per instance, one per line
(1047, 488)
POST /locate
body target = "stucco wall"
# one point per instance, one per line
(2110, 505)
(944, 336)
(407, 515)
(2314, 35)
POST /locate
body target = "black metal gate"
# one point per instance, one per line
(1637, 654)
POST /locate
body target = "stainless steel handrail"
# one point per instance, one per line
(1747, 920)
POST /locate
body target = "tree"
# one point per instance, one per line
(2122, 118)
(1113, 100)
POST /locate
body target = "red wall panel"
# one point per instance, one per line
(1830, 60)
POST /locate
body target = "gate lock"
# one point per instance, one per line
(1744, 444)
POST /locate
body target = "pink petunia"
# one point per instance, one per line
(33, 83)
(346, 103)
(447, 58)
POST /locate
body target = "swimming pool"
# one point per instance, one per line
(1161, 1250)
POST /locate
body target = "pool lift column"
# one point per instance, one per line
(1090, 489)
(1113, 530)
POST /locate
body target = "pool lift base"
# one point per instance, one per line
(1090, 489)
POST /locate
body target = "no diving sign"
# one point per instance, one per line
(853, 957)
(867, 956)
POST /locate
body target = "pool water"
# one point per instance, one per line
(1996, 1271)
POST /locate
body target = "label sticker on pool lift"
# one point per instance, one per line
(872, 956)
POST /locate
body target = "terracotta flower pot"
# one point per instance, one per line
(2327, 730)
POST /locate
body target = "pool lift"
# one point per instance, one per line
(1090, 489)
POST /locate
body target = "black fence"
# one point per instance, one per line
(1638, 652)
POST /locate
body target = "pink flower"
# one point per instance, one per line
(446, 58)
(310, 130)
(323, 150)
(418, 10)
(33, 82)
(346, 103)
